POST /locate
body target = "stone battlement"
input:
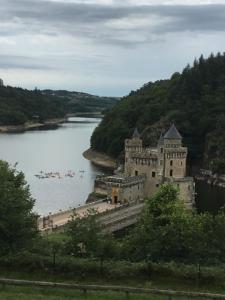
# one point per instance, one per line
(121, 181)
(146, 168)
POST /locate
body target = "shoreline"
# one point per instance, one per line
(48, 124)
(100, 159)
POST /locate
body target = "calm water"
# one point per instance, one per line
(60, 151)
(54, 151)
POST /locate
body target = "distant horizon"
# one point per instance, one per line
(103, 95)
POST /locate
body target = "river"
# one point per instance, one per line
(59, 151)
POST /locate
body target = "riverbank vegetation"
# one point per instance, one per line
(168, 248)
(193, 99)
(19, 106)
(82, 102)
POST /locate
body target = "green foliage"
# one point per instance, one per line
(18, 222)
(194, 99)
(31, 293)
(83, 233)
(86, 237)
(18, 106)
(83, 102)
(168, 232)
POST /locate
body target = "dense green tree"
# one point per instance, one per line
(18, 223)
(161, 232)
(83, 233)
(194, 99)
(86, 237)
(167, 231)
(18, 106)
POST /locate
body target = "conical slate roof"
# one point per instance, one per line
(161, 139)
(136, 133)
(172, 133)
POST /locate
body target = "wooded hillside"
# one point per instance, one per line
(18, 105)
(194, 100)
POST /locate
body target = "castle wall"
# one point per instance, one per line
(131, 146)
(172, 143)
(165, 163)
(100, 187)
(186, 189)
(175, 165)
(152, 178)
(126, 194)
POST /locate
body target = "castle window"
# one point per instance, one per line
(157, 185)
(181, 163)
(136, 173)
(171, 173)
(153, 174)
(161, 149)
(171, 162)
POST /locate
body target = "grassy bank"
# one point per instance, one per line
(28, 293)
(86, 271)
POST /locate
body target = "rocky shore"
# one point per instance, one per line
(100, 159)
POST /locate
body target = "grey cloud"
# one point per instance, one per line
(21, 62)
(89, 20)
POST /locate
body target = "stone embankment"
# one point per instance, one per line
(210, 178)
(100, 159)
(53, 123)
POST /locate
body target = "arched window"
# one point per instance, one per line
(171, 162)
(171, 173)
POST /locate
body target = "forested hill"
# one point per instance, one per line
(83, 102)
(17, 105)
(194, 100)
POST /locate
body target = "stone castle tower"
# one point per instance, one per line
(146, 168)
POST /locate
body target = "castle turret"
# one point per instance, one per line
(132, 145)
(160, 147)
(174, 154)
(136, 134)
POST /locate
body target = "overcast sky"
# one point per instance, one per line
(105, 47)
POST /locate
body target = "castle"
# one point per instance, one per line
(145, 169)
